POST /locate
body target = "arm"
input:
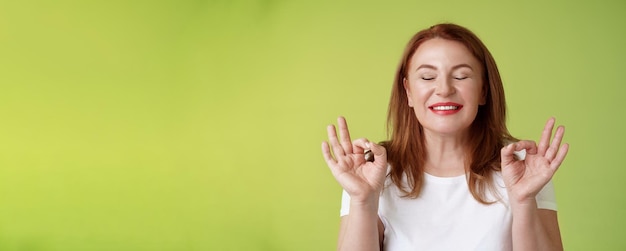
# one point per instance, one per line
(361, 229)
(535, 229)
(532, 228)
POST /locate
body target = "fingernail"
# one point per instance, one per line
(368, 145)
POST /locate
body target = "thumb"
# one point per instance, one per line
(506, 154)
(380, 154)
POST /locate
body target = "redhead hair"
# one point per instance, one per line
(487, 134)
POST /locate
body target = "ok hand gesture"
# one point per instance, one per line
(362, 180)
(525, 178)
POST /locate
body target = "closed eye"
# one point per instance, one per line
(427, 78)
(460, 78)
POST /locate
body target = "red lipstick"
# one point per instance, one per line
(445, 108)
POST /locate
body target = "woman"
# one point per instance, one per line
(451, 177)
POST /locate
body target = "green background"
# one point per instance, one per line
(196, 125)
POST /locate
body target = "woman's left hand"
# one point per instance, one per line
(525, 178)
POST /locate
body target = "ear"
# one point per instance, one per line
(406, 85)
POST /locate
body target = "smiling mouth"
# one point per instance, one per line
(445, 108)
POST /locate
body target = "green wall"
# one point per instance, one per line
(196, 125)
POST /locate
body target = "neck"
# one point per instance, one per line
(445, 155)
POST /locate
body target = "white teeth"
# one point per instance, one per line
(445, 108)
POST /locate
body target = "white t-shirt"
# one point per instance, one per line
(447, 217)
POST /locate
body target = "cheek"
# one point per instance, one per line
(419, 94)
(473, 95)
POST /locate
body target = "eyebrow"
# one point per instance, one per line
(427, 66)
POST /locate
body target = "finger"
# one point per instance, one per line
(556, 163)
(334, 143)
(330, 161)
(360, 145)
(544, 143)
(556, 143)
(528, 145)
(380, 154)
(344, 135)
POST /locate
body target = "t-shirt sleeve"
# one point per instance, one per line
(345, 203)
(546, 198)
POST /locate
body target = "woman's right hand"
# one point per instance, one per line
(361, 179)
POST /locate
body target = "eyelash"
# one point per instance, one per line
(457, 78)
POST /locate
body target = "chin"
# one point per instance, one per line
(447, 129)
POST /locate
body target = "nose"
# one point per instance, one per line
(444, 87)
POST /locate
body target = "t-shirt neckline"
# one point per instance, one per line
(444, 180)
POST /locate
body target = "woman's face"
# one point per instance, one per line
(444, 86)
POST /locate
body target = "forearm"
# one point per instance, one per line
(359, 229)
(532, 231)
